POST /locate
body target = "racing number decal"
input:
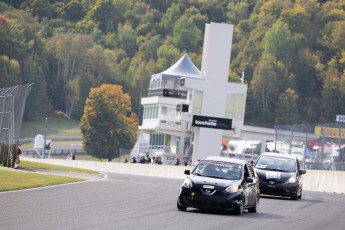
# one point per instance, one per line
(272, 175)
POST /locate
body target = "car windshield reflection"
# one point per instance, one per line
(221, 170)
(276, 164)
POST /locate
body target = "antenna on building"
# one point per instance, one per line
(242, 78)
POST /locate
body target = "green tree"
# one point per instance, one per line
(39, 8)
(214, 9)
(186, 35)
(167, 55)
(67, 54)
(332, 93)
(278, 42)
(26, 51)
(73, 11)
(198, 19)
(108, 123)
(308, 75)
(105, 15)
(170, 17)
(148, 49)
(9, 72)
(126, 39)
(238, 11)
(140, 73)
(287, 110)
(264, 86)
(33, 71)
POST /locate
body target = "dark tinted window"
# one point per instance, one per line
(250, 171)
(276, 163)
(217, 169)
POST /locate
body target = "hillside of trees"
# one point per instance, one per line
(292, 53)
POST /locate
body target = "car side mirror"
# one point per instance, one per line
(249, 180)
(187, 172)
(302, 171)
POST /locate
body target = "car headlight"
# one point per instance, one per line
(292, 179)
(187, 183)
(232, 188)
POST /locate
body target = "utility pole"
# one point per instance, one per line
(45, 138)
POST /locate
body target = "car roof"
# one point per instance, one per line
(282, 155)
(225, 159)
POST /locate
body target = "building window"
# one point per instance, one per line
(197, 102)
(156, 140)
(187, 146)
(158, 83)
(164, 110)
(152, 84)
(150, 112)
(234, 106)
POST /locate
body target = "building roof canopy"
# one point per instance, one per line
(184, 67)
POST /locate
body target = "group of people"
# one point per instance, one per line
(177, 162)
(155, 160)
(71, 156)
(147, 160)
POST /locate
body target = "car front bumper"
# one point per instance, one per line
(284, 189)
(220, 201)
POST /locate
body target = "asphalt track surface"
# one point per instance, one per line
(137, 202)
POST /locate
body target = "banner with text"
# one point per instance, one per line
(211, 122)
(329, 132)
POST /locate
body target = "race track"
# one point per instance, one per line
(138, 202)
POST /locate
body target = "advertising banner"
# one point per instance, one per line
(329, 132)
(211, 122)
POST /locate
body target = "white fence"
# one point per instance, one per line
(313, 180)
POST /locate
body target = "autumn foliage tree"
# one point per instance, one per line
(108, 123)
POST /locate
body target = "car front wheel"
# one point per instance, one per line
(180, 207)
(255, 208)
(239, 209)
(294, 197)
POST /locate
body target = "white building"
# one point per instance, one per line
(188, 112)
(162, 130)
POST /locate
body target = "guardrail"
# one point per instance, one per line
(333, 166)
(52, 152)
(313, 180)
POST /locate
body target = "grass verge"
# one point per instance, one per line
(70, 144)
(57, 127)
(12, 180)
(37, 165)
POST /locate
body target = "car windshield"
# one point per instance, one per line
(217, 169)
(276, 164)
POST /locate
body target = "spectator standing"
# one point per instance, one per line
(159, 160)
(177, 161)
(143, 160)
(16, 158)
(148, 159)
(133, 160)
(154, 160)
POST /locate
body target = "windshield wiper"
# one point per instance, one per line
(270, 169)
(213, 177)
(198, 173)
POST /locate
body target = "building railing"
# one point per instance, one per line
(166, 92)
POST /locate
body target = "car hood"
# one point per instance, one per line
(274, 175)
(216, 182)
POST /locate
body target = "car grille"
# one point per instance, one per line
(211, 192)
(276, 181)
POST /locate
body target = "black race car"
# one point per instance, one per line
(280, 175)
(220, 183)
